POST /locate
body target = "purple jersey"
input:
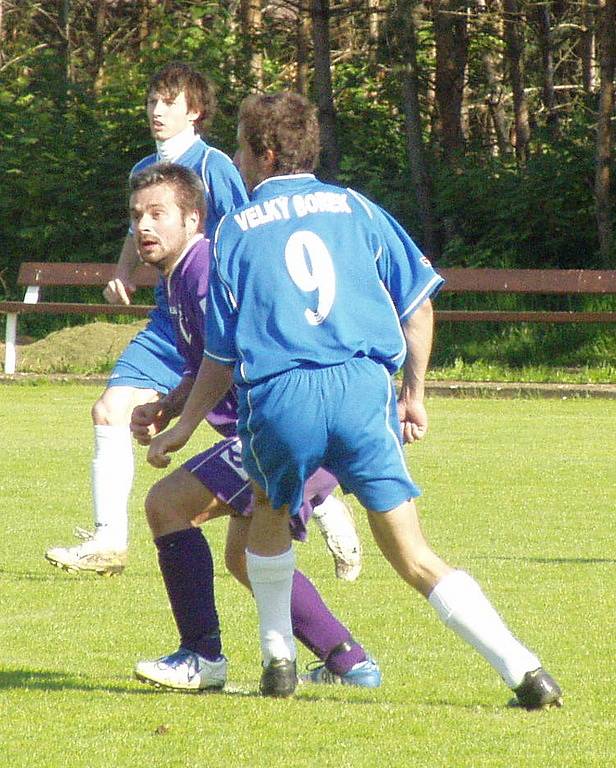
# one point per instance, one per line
(187, 287)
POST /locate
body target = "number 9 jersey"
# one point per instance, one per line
(311, 275)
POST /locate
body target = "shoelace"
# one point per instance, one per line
(324, 673)
(82, 534)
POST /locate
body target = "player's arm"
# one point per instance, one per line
(212, 382)
(120, 289)
(417, 330)
(149, 419)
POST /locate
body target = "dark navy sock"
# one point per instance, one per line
(185, 562)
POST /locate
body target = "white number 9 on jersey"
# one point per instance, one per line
(311, 269)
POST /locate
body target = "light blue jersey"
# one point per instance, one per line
(151, 360)
(321, 274)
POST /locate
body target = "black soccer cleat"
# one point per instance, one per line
(278, 679)
(538, 690)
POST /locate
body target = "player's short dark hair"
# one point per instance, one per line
(198, 89)
(287, 124)
(187, 186)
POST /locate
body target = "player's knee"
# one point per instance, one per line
(235, 561)
(111, 410)
(114, 407)
(231, 561)
(100, 413)
(155, 508)
(425, 568)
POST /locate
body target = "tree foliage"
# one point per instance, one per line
(500, 164)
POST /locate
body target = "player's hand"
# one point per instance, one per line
(413, 420)
(167, 442)
(146, 421)
(119, 291)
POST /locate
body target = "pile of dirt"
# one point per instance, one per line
(89, 352)
(84, 349)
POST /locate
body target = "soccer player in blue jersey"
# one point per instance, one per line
(180, 104)
(317, 298)
(167, 209)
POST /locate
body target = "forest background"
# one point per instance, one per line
(486, 127)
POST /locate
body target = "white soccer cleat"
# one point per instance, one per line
(89, 556)
(183, 670)
(335, 521)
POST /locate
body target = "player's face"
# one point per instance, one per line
(168, 117)
(160, 228)
(252, 168)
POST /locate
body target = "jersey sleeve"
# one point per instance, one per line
(406, 273)
(224, 187)
(195, 306)
(220, 319)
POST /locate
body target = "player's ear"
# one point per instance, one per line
(194, 115)
(268, 161)
(193, 222)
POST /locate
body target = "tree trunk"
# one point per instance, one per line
(402, 24)
(330, 152)
(606, 40)
(492, 64)
(544, 24)
(1, 31)
(514, 39)
(417, 160)
(587, 48)
(451, 36)
(147, 8)
(64, 23)
(250, 14)
(99, 44)
(373, 27)
(303, 46)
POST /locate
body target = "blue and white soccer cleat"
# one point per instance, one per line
(183, 671)
(365, 674)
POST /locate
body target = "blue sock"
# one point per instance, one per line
(186, 565)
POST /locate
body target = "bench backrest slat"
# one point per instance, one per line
(559, 281)
(459, 279)
(62, 274)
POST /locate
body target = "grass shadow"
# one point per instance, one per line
(49, 680)
(547, 560)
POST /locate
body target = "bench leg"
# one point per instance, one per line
(10, 339)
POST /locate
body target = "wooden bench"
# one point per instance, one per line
(460, 280)
(572, 282)
(38, 275)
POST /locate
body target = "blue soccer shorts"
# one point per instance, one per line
(220, 470)
(149, 361)
(343, 418)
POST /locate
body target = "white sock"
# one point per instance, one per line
(271, 579)
(113, 469)
(462, 606)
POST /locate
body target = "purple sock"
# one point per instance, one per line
(186, 564)
(319, 630)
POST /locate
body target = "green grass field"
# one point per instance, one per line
(521, 493)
